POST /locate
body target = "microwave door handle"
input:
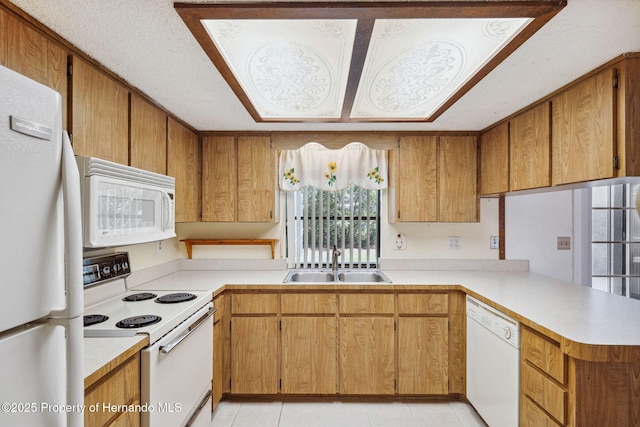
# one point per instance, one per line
(166, 211)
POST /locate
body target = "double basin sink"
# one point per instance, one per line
(328, 276)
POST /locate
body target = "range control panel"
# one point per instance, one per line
(104, 268)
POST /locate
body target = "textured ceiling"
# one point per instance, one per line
(148, 45)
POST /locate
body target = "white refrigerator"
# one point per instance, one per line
(41, 304)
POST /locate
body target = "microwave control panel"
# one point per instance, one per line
(104, 268)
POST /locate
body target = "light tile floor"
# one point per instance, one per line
(345, 414)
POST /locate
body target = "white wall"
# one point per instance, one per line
(430, 240)
(424, 240)
(533, 223)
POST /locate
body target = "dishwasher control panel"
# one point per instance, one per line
(495, 321)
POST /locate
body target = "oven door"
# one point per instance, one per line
(119, 212)
(177, 371)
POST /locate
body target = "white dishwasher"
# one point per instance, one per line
(493, 364)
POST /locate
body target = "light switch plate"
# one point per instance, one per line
(564, 243)
(494, 242)
(455, 242)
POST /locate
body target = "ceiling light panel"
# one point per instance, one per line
(289, 69)
(413, 66)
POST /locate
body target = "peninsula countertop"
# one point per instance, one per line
(585, 321)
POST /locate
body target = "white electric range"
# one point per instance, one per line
(176, 368)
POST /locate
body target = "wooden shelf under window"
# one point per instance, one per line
(189, 243)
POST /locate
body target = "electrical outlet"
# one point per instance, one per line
(455, 242)
(400, 242)
(159, 247)
(494, 242)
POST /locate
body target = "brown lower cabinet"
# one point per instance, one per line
(344, 343)
(309, 341)
(409, 343)
(118, 387)
(559, 390)
(367, 355)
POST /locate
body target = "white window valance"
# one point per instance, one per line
(332, 170)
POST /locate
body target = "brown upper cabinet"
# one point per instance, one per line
(239, 183)
(458, 179)
(530, 146)
(183, 154)
(416, 171)
(583, 130)
(27, 52)
(99, 119)
(515, 154)
(148, 136)
(586, 131)
(435, 179)
(219, 178)
(494, 155)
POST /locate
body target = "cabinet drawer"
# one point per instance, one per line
(218, 303)
(309, 303)
(254, 304)
(367, 303)
(544, 354)
(119, 387)
(542, 390)
(532, 416)
(423, 303)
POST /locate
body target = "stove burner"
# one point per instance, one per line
(174, 298)
(94, 319)
(142, 296)
(138, 321)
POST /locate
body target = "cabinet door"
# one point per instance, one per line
(583, 131)
(367, 355)
(254, 355)
(423, 353)
(31, 54)
(256, 179)
(100, 114)
(148, 138)
(530, 149)
(309, 355)
(183, 154)
(219, 178)
(457, 179)
(416, 196)
(494, 160)
(120, 387)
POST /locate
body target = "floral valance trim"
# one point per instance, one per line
(317, 166)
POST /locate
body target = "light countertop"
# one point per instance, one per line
(589, 324)
(576, 313)
(101, 355)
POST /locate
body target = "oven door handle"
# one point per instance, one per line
(173, 344)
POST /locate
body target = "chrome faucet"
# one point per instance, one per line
(335, 254)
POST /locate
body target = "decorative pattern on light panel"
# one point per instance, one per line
(413, 66)
(288, 68)
(292, 77)
(415, 76)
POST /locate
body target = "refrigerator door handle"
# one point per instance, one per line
(73, 232)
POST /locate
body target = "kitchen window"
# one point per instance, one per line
(615, 240)
(318, 219)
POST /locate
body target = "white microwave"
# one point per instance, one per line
(122, 205)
